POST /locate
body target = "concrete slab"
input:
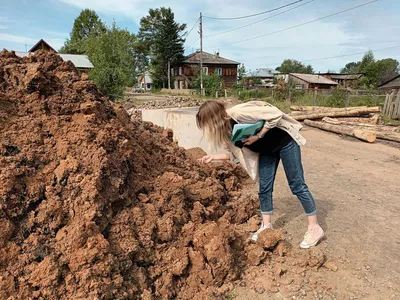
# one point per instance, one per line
(182, 121)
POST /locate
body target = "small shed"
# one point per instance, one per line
(391, 84)
(345, 80)
(310, 81)
(42, 45)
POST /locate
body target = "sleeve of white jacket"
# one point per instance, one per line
(268, 113)
(271, 115)
(229, 151)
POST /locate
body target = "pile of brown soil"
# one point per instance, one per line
(95, 206)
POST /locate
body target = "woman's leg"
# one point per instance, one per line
(268, 166)
(291, 160)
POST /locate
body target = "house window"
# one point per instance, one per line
(219, 71)
(205, 70)
(180, 70)
(299, 87)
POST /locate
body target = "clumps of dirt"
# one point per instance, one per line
(196, 153)
(93, 205)
(270, 238)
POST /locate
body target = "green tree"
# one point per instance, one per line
(212, 83)
(294, 66)
(241, 72)
(87, 24)
(161, 38)
(367, 62)
(113, 56)
(350, 68)
(387, 69)
(375, 71)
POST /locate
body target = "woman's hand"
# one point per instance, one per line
(206, 159)
(251, 140)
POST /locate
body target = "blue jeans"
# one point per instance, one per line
(291, 159)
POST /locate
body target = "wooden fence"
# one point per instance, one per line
(391, 108)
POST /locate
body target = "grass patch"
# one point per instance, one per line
(388, 121)
(329, 98)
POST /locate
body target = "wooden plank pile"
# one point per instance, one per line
(360, 122)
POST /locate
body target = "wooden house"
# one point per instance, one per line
(345, 80)
(310, 81)
(185, 72)
(392, 84)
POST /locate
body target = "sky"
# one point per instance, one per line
(262, 45)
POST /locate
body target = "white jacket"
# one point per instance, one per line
(251, 112)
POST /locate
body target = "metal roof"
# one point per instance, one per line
(316, 79)
(79, 61)
(263, 72)
(392, 83)
(346, 76)
(208, 58)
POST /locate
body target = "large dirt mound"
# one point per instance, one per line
(95, 206)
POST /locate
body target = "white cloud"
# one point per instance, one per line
(16, 39)
(56, 43)
(348, 33)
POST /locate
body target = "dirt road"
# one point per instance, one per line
(357, 189)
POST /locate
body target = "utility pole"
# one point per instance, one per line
(169, 74)
(144, 81)
(201, 54)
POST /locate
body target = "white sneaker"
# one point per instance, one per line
(312, 237)
(254, 237)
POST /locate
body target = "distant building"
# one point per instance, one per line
(345, 80)
(42, 45)
(145, 81)
(310, 81)
(81, 62)
(265, 77)
(391, 84)
(185, 72)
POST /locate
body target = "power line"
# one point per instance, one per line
(339, 56)
(351, 54)
(259, 21)
(193, 43)
(318, 45)
(299, 25)
(190, 31)
(253, 15)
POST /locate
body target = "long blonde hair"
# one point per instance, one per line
(214, 121)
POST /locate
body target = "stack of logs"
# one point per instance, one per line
(361, 122)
